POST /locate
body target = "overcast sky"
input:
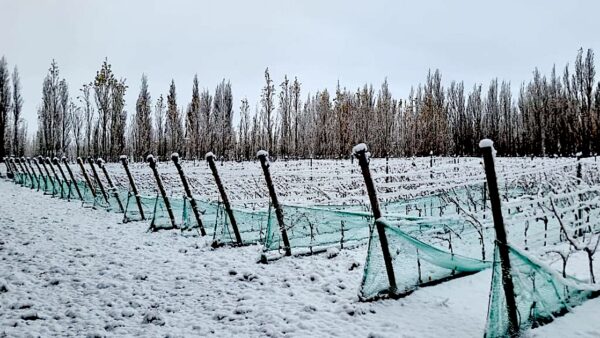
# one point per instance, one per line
(320, 42)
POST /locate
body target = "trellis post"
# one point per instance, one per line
(62, 173)
(264, 163)
(86, 177)
(37, 164)
(64, 160)
(37, 177)
(57, 179)
(97, 177)
(188, 192)
(162, 191)
(138, 199)
(25, 170)
(111, 186)
(210, 158)
(487, 149)
(360, 151)
(9, 172)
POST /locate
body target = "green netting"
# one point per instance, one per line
(181, 211)
(132, 211)
(415, 263)
(316, 228)
(252, 225)
(540, 293)
(19, 178)
(86, 194)
(115, 200)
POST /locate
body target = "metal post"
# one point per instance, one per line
(133, 186)
(62, 173)
(188, 192)
(49, 162)
(264, 163)
(161, 188)
(111, 186)
(35, 175)
(91, 162)
(210, 158)
(490, 172)
(64, 160)
(86, 177)
(360, 151)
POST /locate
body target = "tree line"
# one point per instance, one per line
(551, 114)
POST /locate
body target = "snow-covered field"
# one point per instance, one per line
(68, 270)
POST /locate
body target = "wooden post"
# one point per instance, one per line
(264, 163)
(487, 148)
(54, 177)
(62, 173)
(111, 186)
(97, 178)
(64, 160)
(37, 164)
(210, 158)
(579, 211)
(9, 171)
(86, 177)
(35, 175)
(25, 170)
(161, 188)
(14, 164)
(188, 193)
(360, 151)
(133, 186)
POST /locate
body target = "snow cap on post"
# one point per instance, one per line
(123, 159)
(486, 143)
(55, 160)
(209, 155)
(150, 160)
(175, 157)
(48, 160)
(262, 153)
(358, 148)
(100, 162)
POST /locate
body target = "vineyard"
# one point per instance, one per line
(419, 223)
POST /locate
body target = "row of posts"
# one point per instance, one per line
(26, 168)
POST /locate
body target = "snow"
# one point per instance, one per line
(486, 143)
(89, 275)
(174, 156)
(358, 148)
(123, 157)
(209, 155)
(262, 153)
(70, 270)
(149, 158)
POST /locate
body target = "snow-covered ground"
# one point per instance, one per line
(66, 270)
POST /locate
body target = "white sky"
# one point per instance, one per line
(318, 41)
